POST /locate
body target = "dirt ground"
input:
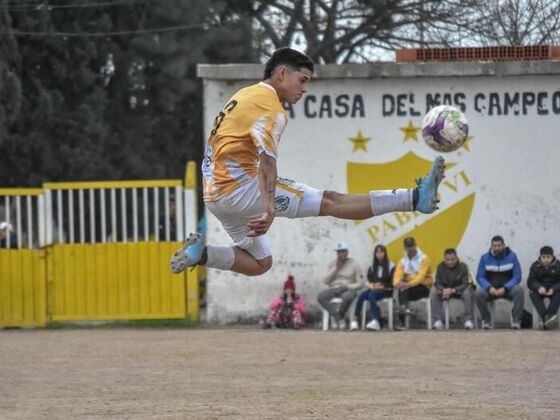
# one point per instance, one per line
(247, 373)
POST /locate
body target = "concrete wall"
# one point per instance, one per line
(504, 181)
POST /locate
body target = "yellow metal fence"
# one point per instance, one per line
(97, 251)
(22, 288)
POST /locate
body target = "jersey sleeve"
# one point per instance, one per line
(266, 132)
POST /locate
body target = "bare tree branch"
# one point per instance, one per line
(340, 31)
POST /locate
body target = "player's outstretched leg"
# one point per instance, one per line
(423, 198)
(428, 187)
(194, 252)
(343, 206)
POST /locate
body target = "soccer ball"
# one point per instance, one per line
(445, 128)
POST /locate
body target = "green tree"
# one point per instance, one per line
(12, 96)
(118, 106)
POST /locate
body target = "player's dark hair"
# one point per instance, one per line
(287, 57)
(497, 238)
(450, 251)
(383, 263)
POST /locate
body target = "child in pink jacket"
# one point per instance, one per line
(288, 309)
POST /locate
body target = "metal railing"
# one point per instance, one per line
(115, 211)
(22, 218)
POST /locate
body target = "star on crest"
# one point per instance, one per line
(410, 132)
(466, 145)
(360, 142)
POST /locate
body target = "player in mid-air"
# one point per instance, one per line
(241, 186)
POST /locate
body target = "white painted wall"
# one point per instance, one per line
(512, 167)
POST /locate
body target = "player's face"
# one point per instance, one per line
(410, 250)
(451, 260)
(497, 247)
(342, 255)
(546, 260)
(293, 84)
(379, 254)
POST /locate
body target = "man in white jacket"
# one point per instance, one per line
(413, 275)
(344, 279)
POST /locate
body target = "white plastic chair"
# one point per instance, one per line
(446, 306)
(536, 319)
(427, 301)
(326, 316)
(537, 322)
(493, 310)
(446, 313)
(389, 302)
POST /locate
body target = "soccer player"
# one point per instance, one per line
(241, 186)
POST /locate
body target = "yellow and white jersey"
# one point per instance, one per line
(251, 123)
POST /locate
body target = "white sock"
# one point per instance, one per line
(387, 201)
(221, 257)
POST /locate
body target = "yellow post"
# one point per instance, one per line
(190, 175)
(193, 277)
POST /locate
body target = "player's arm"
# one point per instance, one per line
(267, 184)
(267, 181)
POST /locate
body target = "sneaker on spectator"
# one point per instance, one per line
(486, 325)
(342, 324)
(373, 325)
(404, 310)
(469, 325)
(438, 325)
(550, 320)
(354, 325)
(515, 326)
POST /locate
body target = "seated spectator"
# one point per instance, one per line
(380, 286)
(344, 279)
(544, 282)
(8, 238)
(452, 282)
(413, 277)
(288, 309)
(499, 275)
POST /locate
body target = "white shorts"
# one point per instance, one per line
(292, 200)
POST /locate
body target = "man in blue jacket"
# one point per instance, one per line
(498, 276)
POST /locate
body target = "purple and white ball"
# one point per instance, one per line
(445, 128)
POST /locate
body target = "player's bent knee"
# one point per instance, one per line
(330, 198)
(261, 267)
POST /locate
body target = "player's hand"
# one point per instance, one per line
(261, 225)
(550, 292)
(543, 291)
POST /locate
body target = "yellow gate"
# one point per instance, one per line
(114, 281)
(22, 264)
(97, 251)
